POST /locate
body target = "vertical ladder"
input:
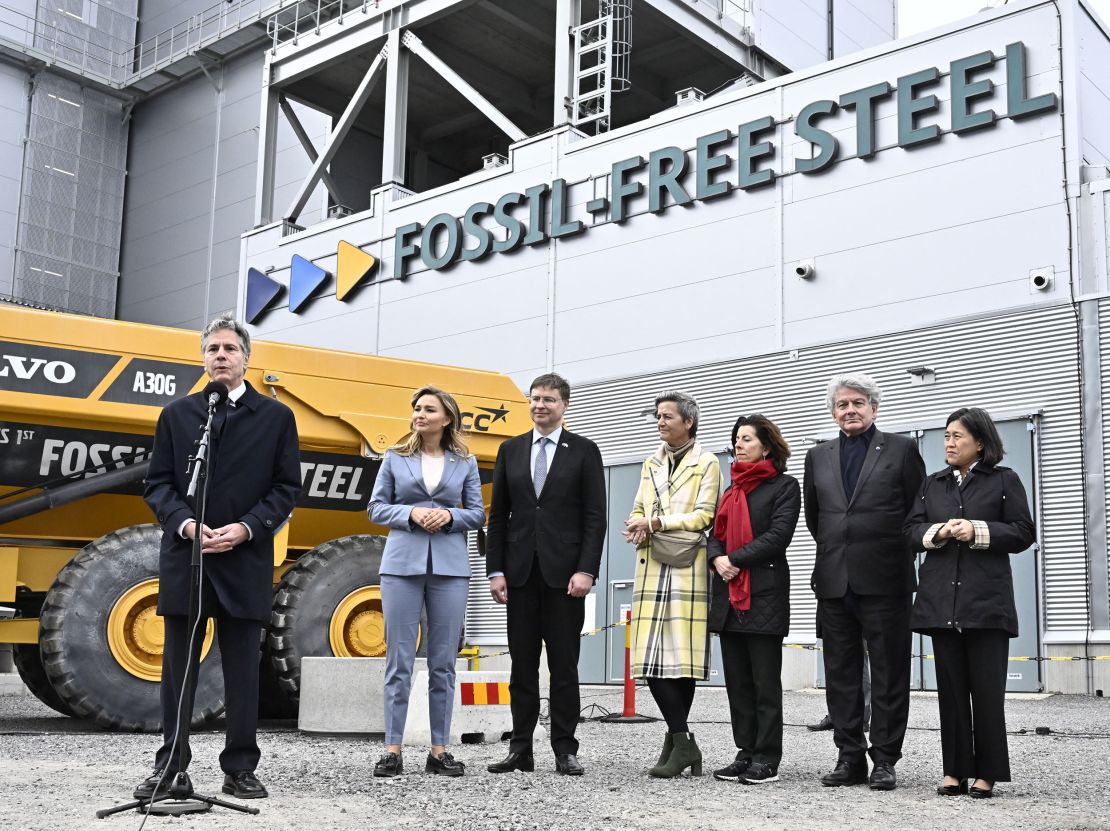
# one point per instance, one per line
(602, 54)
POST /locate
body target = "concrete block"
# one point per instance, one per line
(345, 695)
(476, 720)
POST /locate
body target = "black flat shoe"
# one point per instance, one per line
(525, 762)
(444, 765)
(391, 764)
(952, 790)
(982, 793)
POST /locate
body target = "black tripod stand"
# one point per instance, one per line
(180, 798)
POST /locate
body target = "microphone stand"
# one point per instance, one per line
(181, 798)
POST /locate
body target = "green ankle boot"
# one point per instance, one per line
(684, 754)
(668, 746)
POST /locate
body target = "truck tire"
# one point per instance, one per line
(327, 605)
(105, 670)
(28, 661)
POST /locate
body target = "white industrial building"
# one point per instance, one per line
(736, 198)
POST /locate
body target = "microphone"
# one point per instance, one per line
(215, 394)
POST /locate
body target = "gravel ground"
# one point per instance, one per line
(55, 772)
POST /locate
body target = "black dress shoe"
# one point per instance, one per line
(845, 773)
(982, 793)
(514, 761)
(391, 764)
(567, 764)
(444, 765)
(243, 784)
(952, 790)
(882, 777)
(823, 724)
(145, 789)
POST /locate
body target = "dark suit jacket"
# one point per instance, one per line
(564, 528)
(255, 477)
(859, 539)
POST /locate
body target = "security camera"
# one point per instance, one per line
(806, 270)
(1040, 279)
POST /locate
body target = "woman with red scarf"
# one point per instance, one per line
(750, 596)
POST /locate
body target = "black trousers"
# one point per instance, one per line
(539, 615)
(971, 692)
(240, 651)
(884, 622)
(753, 680)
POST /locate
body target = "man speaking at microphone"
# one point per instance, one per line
(253, 480)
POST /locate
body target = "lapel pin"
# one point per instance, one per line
(563, 444)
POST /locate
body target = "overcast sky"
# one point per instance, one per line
(917, 15)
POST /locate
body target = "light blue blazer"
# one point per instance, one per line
(399, 488)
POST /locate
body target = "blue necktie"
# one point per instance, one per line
(539, 472)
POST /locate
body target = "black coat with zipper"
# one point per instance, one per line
(960, 586)
(773, 509)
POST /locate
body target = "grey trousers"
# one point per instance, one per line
(402, 600)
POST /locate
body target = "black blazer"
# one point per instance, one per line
(859, 539)
(255, 477)
(564, 529)
(773, 509)
(960, 585)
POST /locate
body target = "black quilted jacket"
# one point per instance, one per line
(773, 507)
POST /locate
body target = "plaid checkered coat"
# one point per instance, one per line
(670, 605)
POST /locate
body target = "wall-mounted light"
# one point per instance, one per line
(922, 375)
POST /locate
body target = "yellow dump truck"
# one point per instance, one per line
(79, 399)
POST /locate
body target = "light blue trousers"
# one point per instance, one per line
(402, 600)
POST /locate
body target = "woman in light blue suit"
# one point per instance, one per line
(428, 494)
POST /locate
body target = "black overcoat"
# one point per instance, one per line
(254, 479)
(773, 509)
(960, 586)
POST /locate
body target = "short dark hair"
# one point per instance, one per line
(981, 426)
(769, 435)
(551, 381)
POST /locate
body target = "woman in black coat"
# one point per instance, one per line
(750, 593)
(969, 518)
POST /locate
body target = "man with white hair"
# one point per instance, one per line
(858, 489)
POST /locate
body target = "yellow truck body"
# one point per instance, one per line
(79, 400)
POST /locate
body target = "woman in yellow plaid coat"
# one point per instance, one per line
(678, 490)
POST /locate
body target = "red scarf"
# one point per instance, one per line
(733, 525)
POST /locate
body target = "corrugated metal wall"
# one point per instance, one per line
(1016, 363)
(485, 620)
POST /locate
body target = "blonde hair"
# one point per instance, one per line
(452, 436)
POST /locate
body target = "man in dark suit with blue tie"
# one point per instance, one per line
(543, 553)
(858, 489)
(254, 477)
